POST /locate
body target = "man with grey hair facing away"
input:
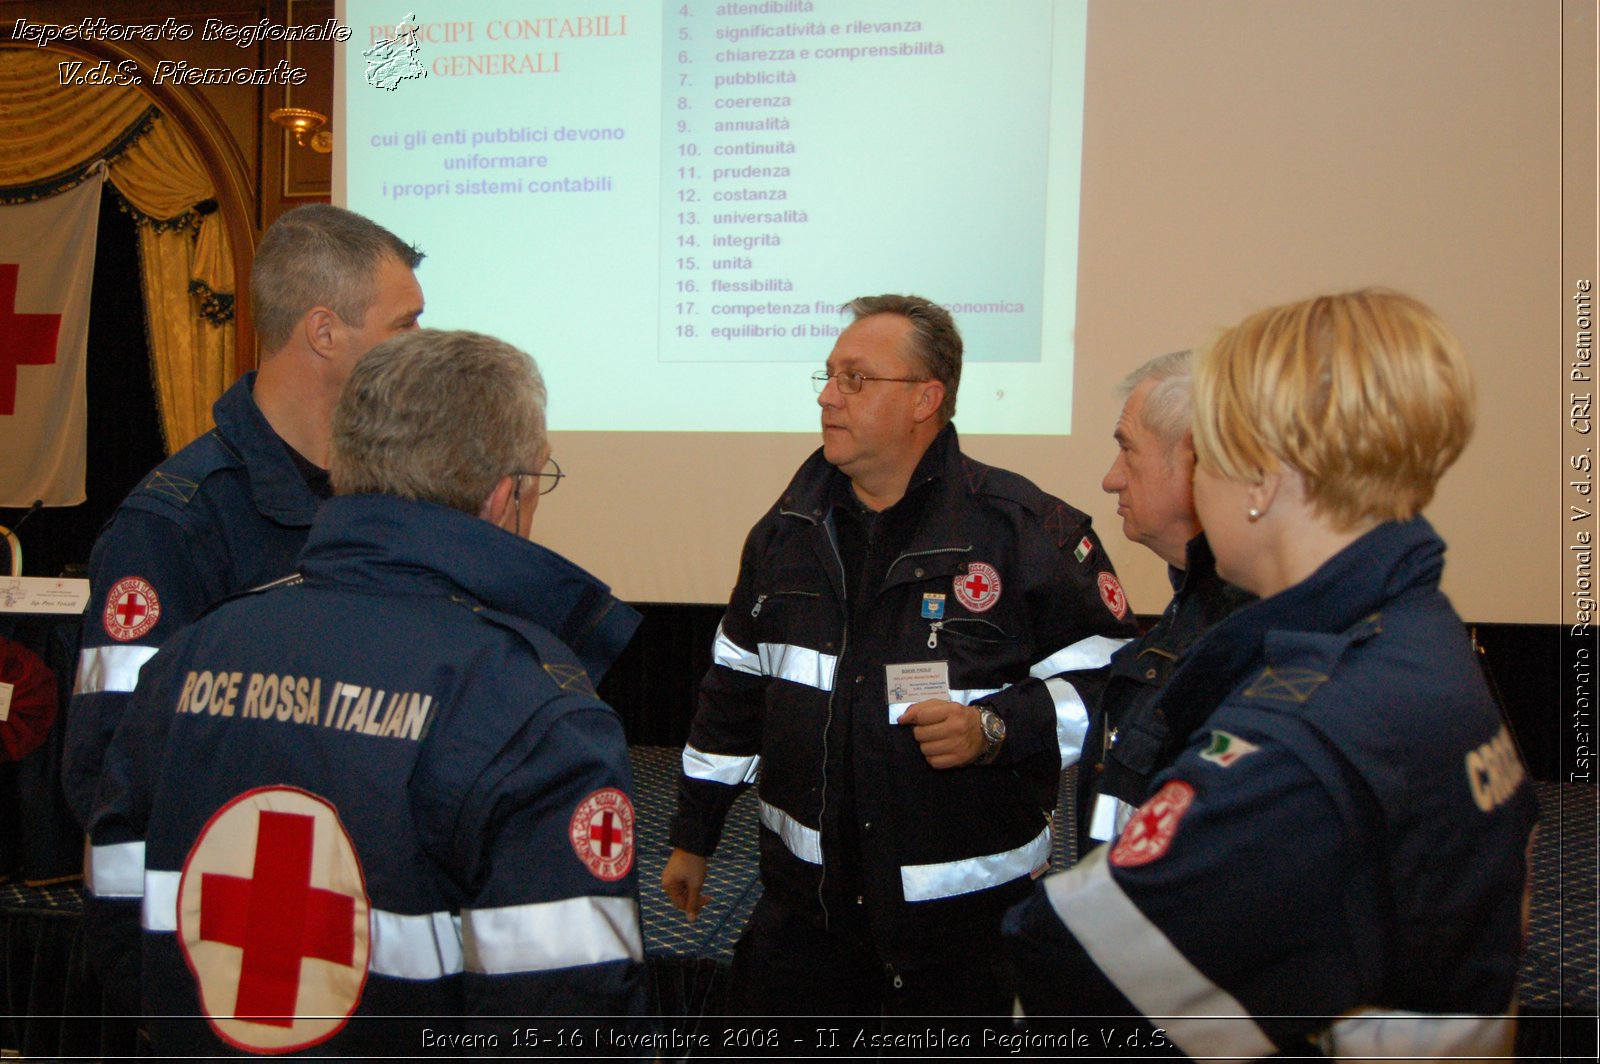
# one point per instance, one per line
(377, 805)
(1130, 739)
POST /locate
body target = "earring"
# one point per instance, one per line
(1255, 515)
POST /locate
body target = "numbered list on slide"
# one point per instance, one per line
(816, 150)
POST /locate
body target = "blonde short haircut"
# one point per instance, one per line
(1365, 394)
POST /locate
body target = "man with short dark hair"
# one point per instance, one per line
(900, 660)
(231, 510)
(380, 799)
(1152, 476)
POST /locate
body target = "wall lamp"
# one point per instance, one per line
(306, 125)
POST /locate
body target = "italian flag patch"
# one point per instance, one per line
(1225, 749)
(1084, 548)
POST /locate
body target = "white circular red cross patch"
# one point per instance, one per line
(978, 589)
(273, 921)
(1113, 596)
(132, 609)
(1149, 834)
(601, 831)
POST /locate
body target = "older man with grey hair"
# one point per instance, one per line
(1152, 476)
(379, 801)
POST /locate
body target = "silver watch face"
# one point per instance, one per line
(994, 728)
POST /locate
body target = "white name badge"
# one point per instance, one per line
(5, 702)
(913, 682)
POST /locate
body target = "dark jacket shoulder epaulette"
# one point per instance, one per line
(552, 656)
(1062, 518)
(272, 585)
(173, 483)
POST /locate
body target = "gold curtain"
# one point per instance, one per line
(188, 279)
(54, 137)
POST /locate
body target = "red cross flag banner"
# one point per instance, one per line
(273, 921)
(46, 271)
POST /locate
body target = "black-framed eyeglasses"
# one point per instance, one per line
(850, 383)
(549, 477)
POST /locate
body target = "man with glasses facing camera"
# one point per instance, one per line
(379, 801)
(898, 664)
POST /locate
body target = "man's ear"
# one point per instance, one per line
(321, 328)
(1182, 453)
(499, 502)
(929, 402)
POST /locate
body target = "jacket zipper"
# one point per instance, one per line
(755, 609)
(933, 629)
(827, 726)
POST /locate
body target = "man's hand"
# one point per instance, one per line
(948, 732)
(684, 876)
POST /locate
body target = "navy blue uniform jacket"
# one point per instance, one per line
(424, 691)
(1339, 855)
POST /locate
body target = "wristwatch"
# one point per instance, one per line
(994, 733)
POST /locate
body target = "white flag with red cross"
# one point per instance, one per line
(46, 271)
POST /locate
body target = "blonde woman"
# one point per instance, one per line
(1339, 856)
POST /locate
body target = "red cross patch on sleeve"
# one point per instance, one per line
(1149, 834)
(132, 609)
(602, 833)
(1111, 593)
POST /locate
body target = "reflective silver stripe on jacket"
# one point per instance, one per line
(540, 936)
(947, 879)
(720, 768)
(117, 870)
(1090, 653)
(781, 661)
(1110, 816)
(1072, 719)
(160, 909)
(1392, 1034)
(113, 669)
(802, 665)
(731, 655)
(805, 843)
(543, 936)
(1072, 716)
(421, 946)
(1201, 1018)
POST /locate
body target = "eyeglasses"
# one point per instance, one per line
(850, 383)
(549, 477)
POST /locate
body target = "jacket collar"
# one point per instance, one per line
(276, 486)
(399, 544)
(1387, 562)
(817, 486)
(1198, 564)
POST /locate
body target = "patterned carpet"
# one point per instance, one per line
(732, 883)
(1559, 972)
(732, 880)
(1560, 968)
